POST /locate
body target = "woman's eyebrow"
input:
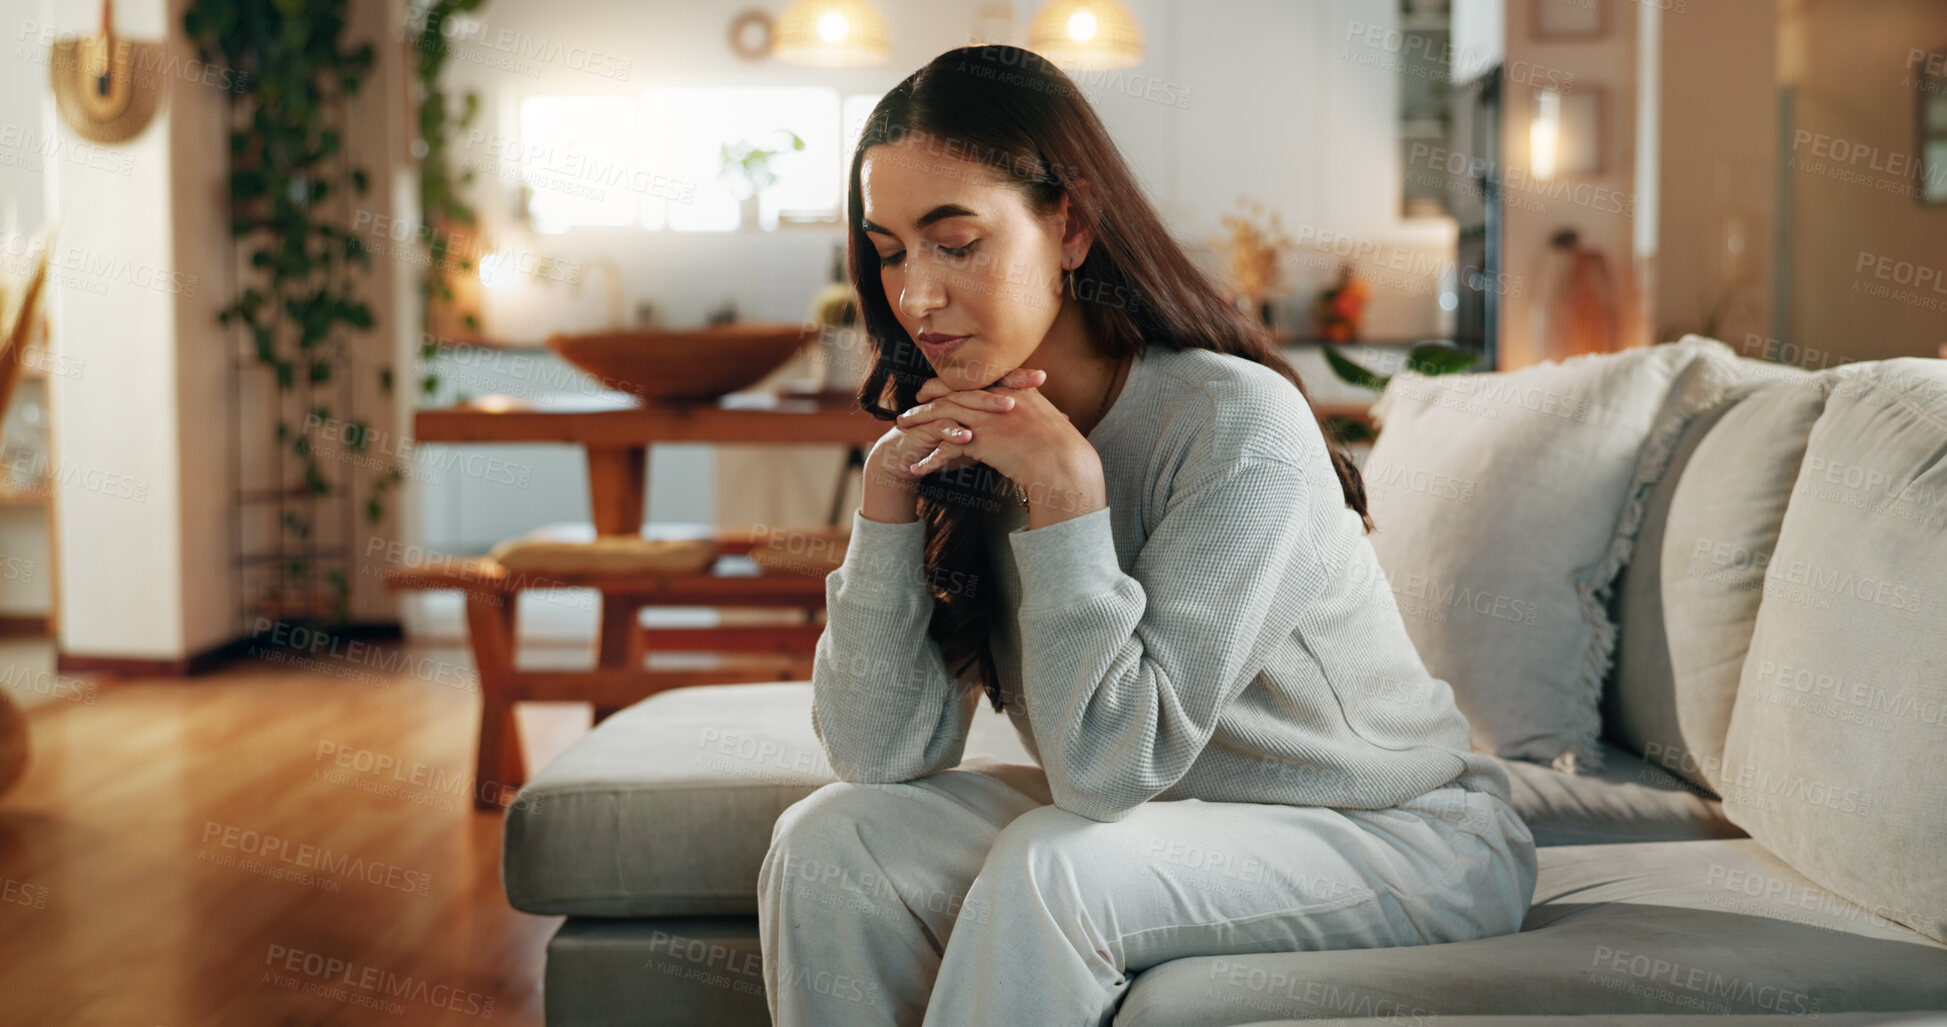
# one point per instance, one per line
(939, 213)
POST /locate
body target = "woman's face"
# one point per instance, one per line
(971, 272)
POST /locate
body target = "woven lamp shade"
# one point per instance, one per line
(1087, 34)
(832, 34)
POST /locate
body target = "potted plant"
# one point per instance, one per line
(1428, 358)
(747, 170)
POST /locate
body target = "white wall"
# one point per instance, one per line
(117, 428)
(22, 85)
(1718, 171)
(1859, 238)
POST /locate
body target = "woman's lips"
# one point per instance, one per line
(937, 345)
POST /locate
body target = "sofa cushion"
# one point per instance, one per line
(1505, 504)
(666, 808)
(1641, 679)
(1689, 597)
(1835, 757)
(1626, 800)
(1723, 514)
(1661, 927)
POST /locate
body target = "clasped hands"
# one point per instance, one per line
(1009, 426)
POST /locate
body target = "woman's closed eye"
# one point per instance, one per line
(951, 253)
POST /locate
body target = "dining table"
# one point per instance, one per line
(616, 433)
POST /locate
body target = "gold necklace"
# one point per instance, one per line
(1102, 411)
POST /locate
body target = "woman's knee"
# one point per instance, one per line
(826, 820)
(1036, 847)
(835, 820)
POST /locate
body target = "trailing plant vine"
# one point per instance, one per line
(440, 204)
(287, 163)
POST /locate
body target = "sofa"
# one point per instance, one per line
(1656, 903)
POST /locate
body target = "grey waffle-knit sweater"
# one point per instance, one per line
(1221, 630)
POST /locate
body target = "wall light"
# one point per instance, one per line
(1566, 137)
(1086, 34)
(1545, 134)
(832, 34)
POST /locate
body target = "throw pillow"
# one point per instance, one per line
(1505, 504)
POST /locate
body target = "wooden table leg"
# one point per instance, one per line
(499, 767)
(617, 476)
(619, 617)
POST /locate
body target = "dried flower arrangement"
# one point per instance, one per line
(1251, 251)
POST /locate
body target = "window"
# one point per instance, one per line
(654, 162)
(575, 161)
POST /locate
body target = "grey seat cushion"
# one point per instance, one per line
(1628, 800)
(666, 808)
(1661, 927)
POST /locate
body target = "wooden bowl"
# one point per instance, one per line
(702, 364)
(624, 556)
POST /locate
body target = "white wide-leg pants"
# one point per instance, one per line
(967, 899)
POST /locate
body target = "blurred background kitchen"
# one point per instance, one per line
(1524, 179)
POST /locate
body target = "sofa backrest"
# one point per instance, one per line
(1686, 603)
(1834, 758)
(1782, 626)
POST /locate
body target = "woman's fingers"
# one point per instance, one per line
(1024, 378)
(944, 457)
(939, 445)
(1019, 378)
(933, 389)
(964, 406)
(941, 426)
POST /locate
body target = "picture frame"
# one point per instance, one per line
(1570, 20)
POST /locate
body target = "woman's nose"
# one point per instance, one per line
(922, 294)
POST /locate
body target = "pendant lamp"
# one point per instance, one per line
(1086, 34)
(832, 34)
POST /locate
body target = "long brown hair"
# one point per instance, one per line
(1015, 112)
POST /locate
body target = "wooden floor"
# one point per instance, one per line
(194, 852)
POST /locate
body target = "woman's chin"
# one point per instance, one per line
(966, 369)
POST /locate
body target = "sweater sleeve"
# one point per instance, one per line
(884, 706)
(1126, 674)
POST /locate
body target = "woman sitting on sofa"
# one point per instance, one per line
(1104, 502)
